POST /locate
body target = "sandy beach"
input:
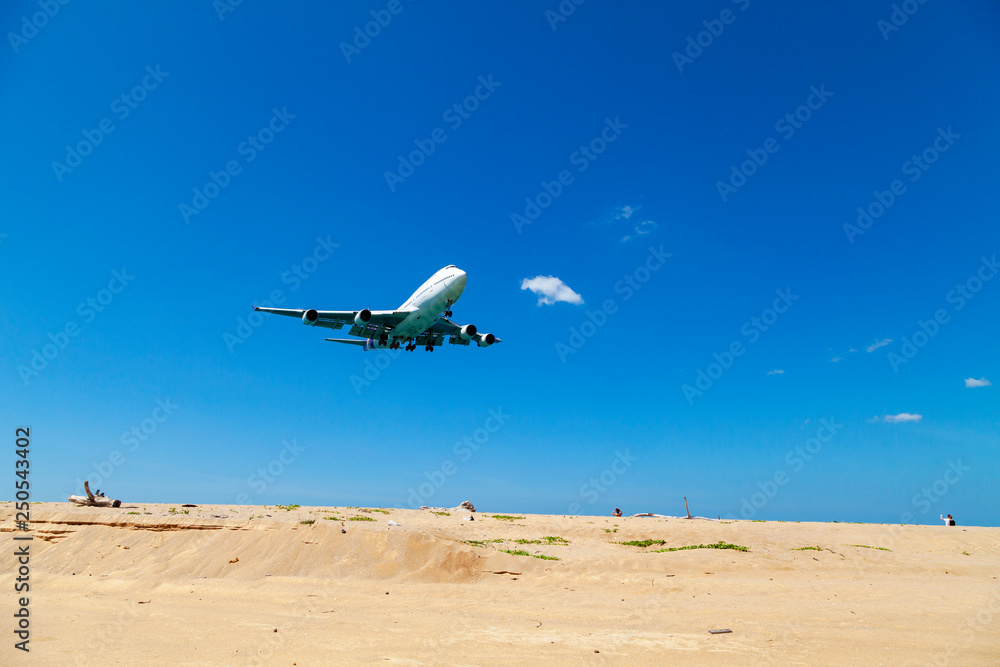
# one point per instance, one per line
(235, 585)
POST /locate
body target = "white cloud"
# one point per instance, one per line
(618, 214)
(776, 371)
(836, 359)
(550, 290)
(903, 417)
(876, 345)
(972, 383)
(627, 214)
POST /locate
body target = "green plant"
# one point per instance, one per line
(131, 512)
(642, 543)
(718, 545)
(808, 549)
(360, 518)
(966, 553)
(309, 522)
(441, 513)
(287, 508)
(521, 552)
(868, 546)
(545, 540)
(507, 517)
(609, 530)
(333, 518)
(380, 510)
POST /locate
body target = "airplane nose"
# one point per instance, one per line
(461, 279)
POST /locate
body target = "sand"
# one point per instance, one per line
(237, 585)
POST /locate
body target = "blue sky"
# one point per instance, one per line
(252, 140)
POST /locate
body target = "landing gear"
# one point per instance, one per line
(394, 345)
(447, 313)
(429, 348)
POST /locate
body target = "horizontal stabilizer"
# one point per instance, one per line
(349, 341)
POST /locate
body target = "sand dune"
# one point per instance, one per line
(142, 584)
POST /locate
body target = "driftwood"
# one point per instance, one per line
(94, 501)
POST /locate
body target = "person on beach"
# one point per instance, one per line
(617, 512)
(949, 521)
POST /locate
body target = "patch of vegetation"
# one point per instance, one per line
(808, 549)
(380, 510)
(610, 530)
(333, 518)
(522, 552)
(718, 545)
(551, 539)
(360, 518)
(643, 543)
(480, 543)
(441, 513)
(966, 553)
(287, 508)
(868, 546)
(308, 522)
(763, 521)
(507, 517)
(131, 512)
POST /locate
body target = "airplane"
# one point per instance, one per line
(421, 320)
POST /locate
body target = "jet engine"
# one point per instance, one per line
(468, 332)
(310, 317)
(363, 317)
(485, 340)
(372, 344)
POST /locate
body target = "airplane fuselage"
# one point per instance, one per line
(437, 295)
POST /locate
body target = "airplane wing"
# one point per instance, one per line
(444, 327)
(382, 321)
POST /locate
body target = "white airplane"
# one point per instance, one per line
(421, 320)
